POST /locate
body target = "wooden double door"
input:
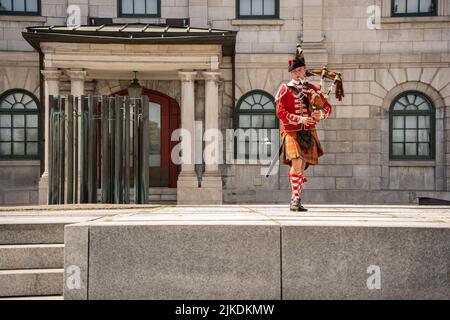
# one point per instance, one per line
(164, 114)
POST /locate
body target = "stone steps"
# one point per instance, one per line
(32, 253)
(154, 190)
(58, 297)
(31, 282)
(162, 195)
(31, 233)
(157, 195)
(31, 256)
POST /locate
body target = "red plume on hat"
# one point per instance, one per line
(299, 59)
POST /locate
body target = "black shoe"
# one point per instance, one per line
(300, 207)
(296, 206)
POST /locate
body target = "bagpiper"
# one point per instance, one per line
(300, 105)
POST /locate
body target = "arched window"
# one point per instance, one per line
(257, 135)
(19, 125)
(412, 127)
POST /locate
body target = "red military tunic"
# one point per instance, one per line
(290, 106)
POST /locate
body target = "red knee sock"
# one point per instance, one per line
(297, 183)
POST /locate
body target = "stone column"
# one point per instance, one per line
(187, 180)
(51, 87)
(212, 180)
(212, 117)
(188, 116)
(77, 80)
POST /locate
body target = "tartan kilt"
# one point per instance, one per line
(291, 148)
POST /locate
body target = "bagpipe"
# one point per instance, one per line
(315, 97)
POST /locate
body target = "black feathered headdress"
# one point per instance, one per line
(299, 60)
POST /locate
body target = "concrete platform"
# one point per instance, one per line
(261, 252)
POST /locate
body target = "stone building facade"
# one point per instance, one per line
(402, 53)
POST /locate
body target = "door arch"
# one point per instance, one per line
(164, 119)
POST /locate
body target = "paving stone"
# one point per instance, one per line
(184, 261)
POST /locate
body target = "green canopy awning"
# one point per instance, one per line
(132, 33)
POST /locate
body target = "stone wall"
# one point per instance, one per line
(19, 179)
(19, 182)
(170, 88)
(416, 40)
(259, 36)
(53, 12)
(19, 70)
(355, 137)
